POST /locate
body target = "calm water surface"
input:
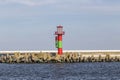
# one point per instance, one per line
(61, 71)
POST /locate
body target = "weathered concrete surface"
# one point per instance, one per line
(67, 57)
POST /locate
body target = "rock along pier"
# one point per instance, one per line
(68, 56)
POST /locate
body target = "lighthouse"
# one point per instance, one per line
(58, 39)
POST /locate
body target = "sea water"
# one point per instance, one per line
(61, 71)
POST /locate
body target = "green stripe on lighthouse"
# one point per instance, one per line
(59, 44)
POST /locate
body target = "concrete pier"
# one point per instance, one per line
(69, 56)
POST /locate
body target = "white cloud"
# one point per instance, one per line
(60, 7)
(28, 2)
(45, 2)
(91, 6)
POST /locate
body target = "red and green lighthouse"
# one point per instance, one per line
(58, 39)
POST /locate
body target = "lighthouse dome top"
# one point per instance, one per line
(59, 26)
(59, 30)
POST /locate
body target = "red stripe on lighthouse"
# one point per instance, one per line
(60, 37)
(60, 51)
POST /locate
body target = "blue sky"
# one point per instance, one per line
(30, 24)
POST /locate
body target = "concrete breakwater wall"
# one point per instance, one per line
(52, 56)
